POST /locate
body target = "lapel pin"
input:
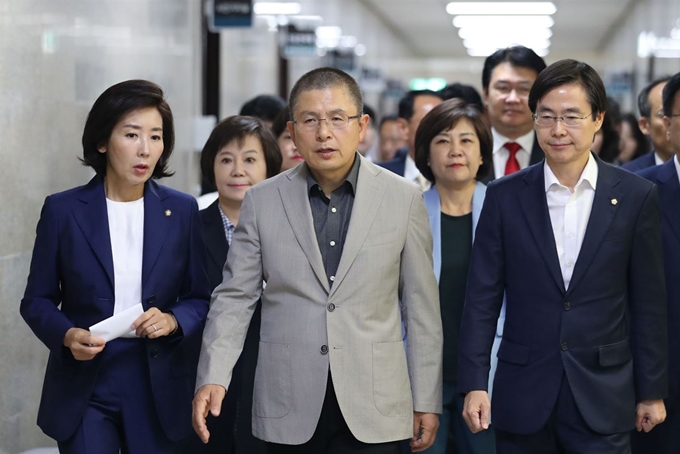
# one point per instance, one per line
(168, 212)
(614, 202)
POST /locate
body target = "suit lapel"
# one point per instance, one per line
(369, 194)
(92, 218)
(535, 208)
(157, 221)
(601, 216)
(215, 238)
(669, 195)
(296, 205)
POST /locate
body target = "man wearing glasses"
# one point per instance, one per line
(506, 79)
(652, 124)
(666, 439)
(575, 246)
(340, 242)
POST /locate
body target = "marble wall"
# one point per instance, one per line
(56, 57)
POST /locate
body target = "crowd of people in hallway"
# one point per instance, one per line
(472, 274)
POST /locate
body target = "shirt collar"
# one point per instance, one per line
(589, 175)
(657, 159)
(351, 177)
(225, 220)
(526, 141)
(411, 171)
(676, 161)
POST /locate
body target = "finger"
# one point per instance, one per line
(215, 403)
(146, 316)
(198, 418)
(638, 421)
(485, 416)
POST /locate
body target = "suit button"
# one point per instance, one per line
(154, 353)
(564, 346)
(567, 306)
(150, 300)
(324, 349)
(331, 307)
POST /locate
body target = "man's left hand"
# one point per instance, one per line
(649, 414)
(424, 430)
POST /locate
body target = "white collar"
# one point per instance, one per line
(676, 161)
(526, 141)
(589, 174)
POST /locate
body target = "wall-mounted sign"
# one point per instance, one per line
(668, 47)
(229, 13)
(299, 42)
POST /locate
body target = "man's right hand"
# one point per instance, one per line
(83, 345)
(208, 398)
(476, 410)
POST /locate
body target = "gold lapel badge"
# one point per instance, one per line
(168, 212)
(614, 202)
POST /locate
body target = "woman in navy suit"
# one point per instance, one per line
(240, 152)
(105, 247)
(453, 151)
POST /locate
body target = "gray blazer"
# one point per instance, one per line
(433, 205)
(353, 328)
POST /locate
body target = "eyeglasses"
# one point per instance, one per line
(505, 89)
(568, 120)
(337, 121)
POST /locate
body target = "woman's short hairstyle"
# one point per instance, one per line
(111, 106)
(444, 117)
(238, 127)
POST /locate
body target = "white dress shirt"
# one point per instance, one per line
(126, 228)
(411, 173)
(677, 166)
(501, 154)
(569, 214)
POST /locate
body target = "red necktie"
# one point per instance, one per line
(512, 165)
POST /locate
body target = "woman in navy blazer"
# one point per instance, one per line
(453, 150)
(120, 240)
(240, 152)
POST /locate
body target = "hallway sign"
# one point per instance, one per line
(230, 13)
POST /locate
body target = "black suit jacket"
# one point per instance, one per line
(398, 163)
(536, 156)
(607, 332)
(644, 161)
(231, 432)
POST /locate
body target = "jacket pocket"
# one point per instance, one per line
(391, 385)
(514, 353)
(272, 390)
(615, 354)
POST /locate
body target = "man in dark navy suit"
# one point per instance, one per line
(574, 244)
(666, 438)
(652, 124)
(412, 108)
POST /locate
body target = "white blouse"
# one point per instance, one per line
(126, 228)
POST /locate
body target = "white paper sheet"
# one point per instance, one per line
(118, 325)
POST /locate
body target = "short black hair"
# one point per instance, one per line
(387, 118)
(279, 125)
(465, 92)
(668, 95)
(110, 107)
(643, 98)
(321, 79)
(567, 72)
(238, 127)
(611, 138)
(643, 145)
(368, 110)
(407, 102)
(264, 107)
(443, 117)
(519, 56)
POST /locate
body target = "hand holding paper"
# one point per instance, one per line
(118, 325)
(83, 345)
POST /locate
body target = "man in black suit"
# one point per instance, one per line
(574, 245)
(412, 108)
(506, 79)
(651, 123)
(666, 438)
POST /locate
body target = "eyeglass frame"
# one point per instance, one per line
(555, 119)
(328, 123)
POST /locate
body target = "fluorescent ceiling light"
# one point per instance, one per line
(360, 50)
(485, 52)
(328, 32)
(277, 8)
(503, 22)
(538, 33)
(501, 8)
(502, 42)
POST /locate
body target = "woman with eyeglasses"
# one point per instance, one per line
(454, 151)
(122, 243)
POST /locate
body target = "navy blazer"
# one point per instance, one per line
(398, 163)
(665, 177)
(71, 284)
(643, 162)
(606, 332)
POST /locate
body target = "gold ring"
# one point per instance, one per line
(154, 328)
